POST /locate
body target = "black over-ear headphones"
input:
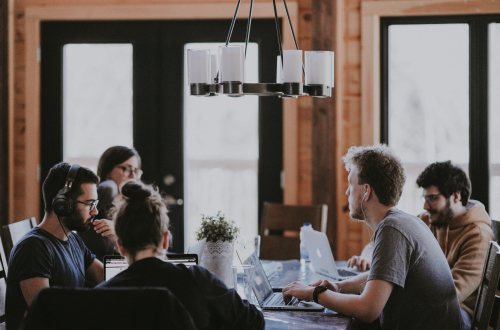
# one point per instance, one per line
(62, 204)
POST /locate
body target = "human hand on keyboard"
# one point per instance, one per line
(298, 290)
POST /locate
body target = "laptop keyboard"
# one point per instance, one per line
(277, 300)
(346, 273)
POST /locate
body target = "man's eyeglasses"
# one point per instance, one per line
(431, 198)
(91, 203)
(127, 170)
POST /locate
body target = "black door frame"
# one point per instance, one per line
(163, 38)
(478, 91)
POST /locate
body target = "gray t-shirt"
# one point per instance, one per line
(407, 255)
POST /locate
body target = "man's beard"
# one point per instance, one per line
(444, 217)
(77, 223)
(358, 213)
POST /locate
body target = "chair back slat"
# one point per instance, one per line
(487, 289)
(13, 232)
(280, 228)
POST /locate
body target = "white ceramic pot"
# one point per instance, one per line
(217, 257)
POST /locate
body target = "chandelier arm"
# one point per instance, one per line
(249, 27)
(233, 23)
(290, 24)
(278, 34)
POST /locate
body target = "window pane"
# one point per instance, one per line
(221, 153)
(494, 118)
(428, 99)
(97, 97)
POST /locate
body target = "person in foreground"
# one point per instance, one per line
(409, 285)
(141, 225)
(51, 254)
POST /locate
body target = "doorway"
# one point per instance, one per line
(149, 103)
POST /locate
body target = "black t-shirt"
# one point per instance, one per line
(211, 304)
(40, 254)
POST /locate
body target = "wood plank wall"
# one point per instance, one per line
(4, 105)
(323, 129)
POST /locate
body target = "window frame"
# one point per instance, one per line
(478, 90)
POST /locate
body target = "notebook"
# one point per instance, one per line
(321, 256)
(269, 300)
(115, 264)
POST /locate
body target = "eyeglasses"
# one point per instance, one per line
(431, 198)
(92, 203)
(127, 170)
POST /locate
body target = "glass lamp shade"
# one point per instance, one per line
(232, 61)
(319, 68)
(279, 70)
(292, 66)
(198, 66)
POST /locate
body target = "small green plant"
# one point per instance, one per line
(217, 228)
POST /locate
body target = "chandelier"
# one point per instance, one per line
(224, 73)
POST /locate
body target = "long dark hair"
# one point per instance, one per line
(113, 156)
(142, 217)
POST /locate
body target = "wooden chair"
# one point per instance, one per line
(3, 285)
(280, 228)
(486, 292)
(12, 233)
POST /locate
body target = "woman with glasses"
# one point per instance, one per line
(117, 166)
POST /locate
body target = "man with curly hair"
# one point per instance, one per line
(409, 285)
(461, 226)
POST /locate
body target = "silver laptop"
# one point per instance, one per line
(269, 300)
(321, 256)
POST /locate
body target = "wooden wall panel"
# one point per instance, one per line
(4, 82)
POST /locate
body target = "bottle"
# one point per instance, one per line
(304, 254)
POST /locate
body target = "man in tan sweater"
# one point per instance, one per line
(461, 226)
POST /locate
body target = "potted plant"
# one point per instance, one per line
(220, 234)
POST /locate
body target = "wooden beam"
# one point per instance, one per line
(4, 105)
(324, 120)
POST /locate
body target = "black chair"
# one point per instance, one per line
(487, 289)
(107, 308)
(13, 232)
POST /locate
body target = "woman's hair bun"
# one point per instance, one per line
(135, 191)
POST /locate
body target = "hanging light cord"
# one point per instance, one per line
(232, 23)
(249, 26)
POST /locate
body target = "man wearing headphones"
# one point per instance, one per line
(51, 254)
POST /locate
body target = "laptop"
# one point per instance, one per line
(115, 264)
(269, 300)
(321, 256)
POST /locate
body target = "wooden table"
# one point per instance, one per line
(280, 273)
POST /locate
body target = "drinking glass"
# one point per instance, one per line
(242, 279)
